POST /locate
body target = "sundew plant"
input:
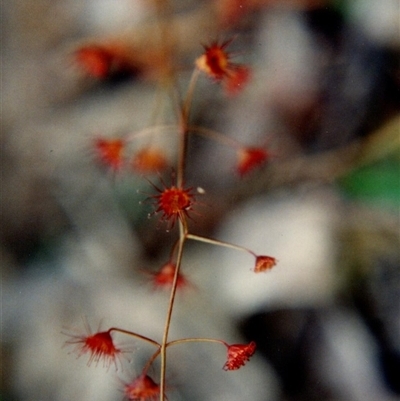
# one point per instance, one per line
(174, 203)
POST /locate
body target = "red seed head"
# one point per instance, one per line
(174, 203)
(264, 263)
(238, 355)
(215, 62)
(99, 346)
(142, 388)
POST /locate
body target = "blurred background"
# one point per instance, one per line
(76, 242)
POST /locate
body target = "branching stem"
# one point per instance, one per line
(216, 136)
(220, 243)
(197, 340)
(133, 334)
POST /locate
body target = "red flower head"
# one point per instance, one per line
(101, 61)
(110, 152)
(249, 159)
(149, 160)
(99, 346)
(143, 388)
(165, 277)
(174, 202)
(216, 63)
(238, 355)
(264, 263)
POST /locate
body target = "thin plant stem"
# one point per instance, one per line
(156, 129)
(163, 349)
(220, 243)
(181, 341)
(217, 136)
(183, 141)
(205, 132)
(184, 132)
(196, 340)
(133, 334)
(151, 360)
(189, 96)
(184, 111)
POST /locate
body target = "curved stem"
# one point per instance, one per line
(150, 361)
(184, 131)
(216, 136)
(205, 132)
(133, 334)
(197, 340)
(151, 130)
(189, 95)
(220, 243)
(183, 144)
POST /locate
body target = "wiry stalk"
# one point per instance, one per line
(183, 230)
(220, 243)
(133, 334)
(182, 238)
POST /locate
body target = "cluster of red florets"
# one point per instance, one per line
(215, 62)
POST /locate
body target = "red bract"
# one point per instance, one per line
(149, 160)
(249, 159)
(215, 62)
(99, 346)
(238, 355)
(110, 152)
(264, 263)
(143, 388)
(165, 277)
